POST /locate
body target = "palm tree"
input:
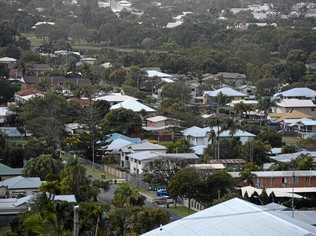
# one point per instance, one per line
(221, 101)
(265, 104)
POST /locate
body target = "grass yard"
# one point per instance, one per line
(290, 140)
(181, 211)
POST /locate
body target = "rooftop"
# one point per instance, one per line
(157, 118)
(132, 105)
(297, 173)
(144, 146)
(21, 182)
(235, 217)
(297, 92)
(227, 91)
(294, 102)
(8, 171)
(195, 131)
(115, 97)
(238, 133)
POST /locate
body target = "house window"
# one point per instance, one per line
(313, 109)
(284, 180)
(126, 158)
(139, 162)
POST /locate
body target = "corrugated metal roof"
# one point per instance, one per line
(238, 133)
(293, 102)
(234, 218)
(227, 91)
(297, 92)
(197, 132)
(21, 182)
(132, 105)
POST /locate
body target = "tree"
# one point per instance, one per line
(7, 90)
(45, 117)
(73, 180)
(269, 136)
(221, 101)
(43, 166)
(118, 76)
(217, 185)
(125, 196)
(265, 104)
(177, 91)
(303, 162)
(185, 184)
(122, 121)
(179, 146)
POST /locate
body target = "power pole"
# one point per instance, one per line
(76, 221)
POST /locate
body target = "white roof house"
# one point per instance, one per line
(7, 60)
(227, 91)
(288, 157)
(197, 132)
(235, 217)
(158, 74)
(144, 146)
(118, 144)
(297, 93)
(132, 105)
(238, 134)
(296, 103)
(157, 118)
(114, 98)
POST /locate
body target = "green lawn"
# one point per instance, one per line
(181, 211)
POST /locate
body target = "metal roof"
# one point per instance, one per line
(8, 171)
(297, 92)
(21, 182)
(11, 132)
(293, 102)
(144, 146)
(227, 91)
(288, 157)
(132, 105)
(235, 217)
(197, 132)
(238, 133)
(297, 173)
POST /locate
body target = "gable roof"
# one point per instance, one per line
(197, 132)
(21, 182)
(238, 133)
(288, 157)
(294, 102)
(151, 155)
(144, 146)
(132, 105)
(157, 118)
(7, 60)
(227, 91)
(235, 217)
(117, 144)
(297, 92)
(8, 171)
(114, 136)
(115, 97)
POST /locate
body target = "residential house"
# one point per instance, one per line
(4, 113)
(305, 106)
(20, 185)
(281, 179)
(238, 218)
(306, 128)
(26, 94)
(242, 136)
(141, 161)
(210, 96)
(115, 98)
(299, 93)
(114, 142)
(233, 79)
(139, 147)
(8, 172)
(38, 69)
(197, 136)
(75, 128)
(250, 90)
(233, 164)
(288, 157)
(11, 132)
(133, 105)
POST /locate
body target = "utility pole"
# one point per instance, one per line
(292, 200)
(76, 221)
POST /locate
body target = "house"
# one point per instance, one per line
(209, 97)
(26, 93)
(250, 90)
(299, 93)
(75, 128)
(294, 115)
(20, 185)
(235, 217)
(4, 113)
(38, 69)
(133, 105)
(141, 161)
(139, 147)
(288, 157)
(11, 132)
(281, 179)
(113, 143)
(197, 136)
(242, 136)
(8, 172)
(115, 98)
(234, 164)
(306, 128)
(161, 127)
(234, 79)
(305, 106)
